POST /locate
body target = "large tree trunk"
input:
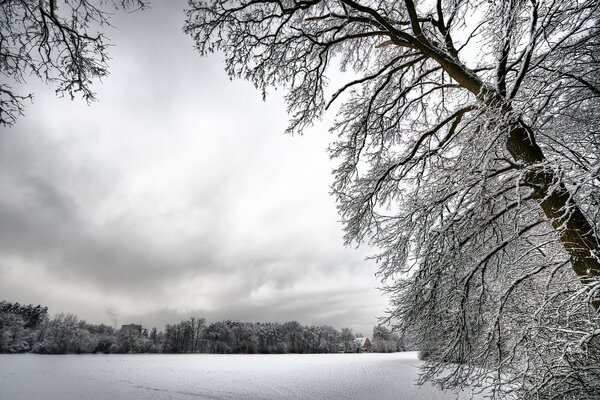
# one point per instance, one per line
(576, 233)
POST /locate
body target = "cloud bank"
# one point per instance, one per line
(176, 194)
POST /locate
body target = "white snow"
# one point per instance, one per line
(215, 377)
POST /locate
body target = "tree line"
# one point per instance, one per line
(30, 329)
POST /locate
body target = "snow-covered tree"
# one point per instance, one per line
(347, 338)
(468, 150)
(56, 41)
(64, 334)
(385, 341)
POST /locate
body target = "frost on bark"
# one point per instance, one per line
(468, 154)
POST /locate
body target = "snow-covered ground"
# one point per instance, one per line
(215, 377)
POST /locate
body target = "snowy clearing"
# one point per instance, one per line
(215, 377)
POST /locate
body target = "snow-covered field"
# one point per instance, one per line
(215, 377)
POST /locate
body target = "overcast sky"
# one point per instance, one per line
(176, 194)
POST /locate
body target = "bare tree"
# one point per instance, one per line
(57, 41)
(347, 338)
(468, 152)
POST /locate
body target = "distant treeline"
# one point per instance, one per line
(29, 329)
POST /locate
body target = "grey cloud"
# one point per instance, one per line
(175, 193)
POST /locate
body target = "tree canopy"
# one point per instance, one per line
(468, 155)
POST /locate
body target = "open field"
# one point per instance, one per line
(216, 377)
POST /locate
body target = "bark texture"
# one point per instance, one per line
(576, 233)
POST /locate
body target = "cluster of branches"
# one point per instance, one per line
(28, 328)
(56, 41)
(469, 154)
